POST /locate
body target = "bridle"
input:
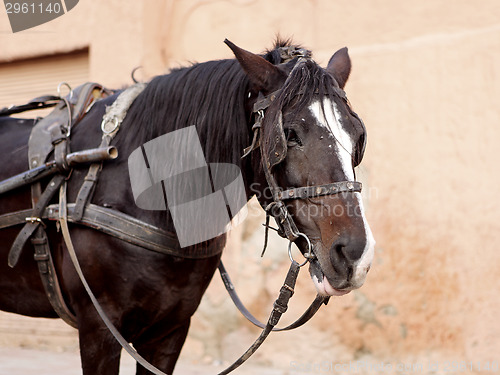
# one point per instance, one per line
(277, 208)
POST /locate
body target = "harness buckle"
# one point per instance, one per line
(255, 141)
(31, 219)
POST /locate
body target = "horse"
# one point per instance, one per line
(309, 136)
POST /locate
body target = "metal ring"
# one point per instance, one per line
(105, 121)
(309, 255)
(68, 86)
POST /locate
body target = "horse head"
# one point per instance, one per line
(311, 139)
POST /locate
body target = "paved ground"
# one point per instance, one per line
(18, 361)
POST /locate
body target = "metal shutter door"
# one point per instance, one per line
(21, 81)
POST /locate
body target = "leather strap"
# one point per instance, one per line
(88, 186)
(34, 220)
(14, 218)
(119, 225)
(86, 190)
(60, 153)
(49, 277)
(280, 306)
(37, 103)
(308, 314)
(320, 190)
(22, 237)
(266, 101)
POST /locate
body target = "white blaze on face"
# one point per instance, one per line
(329, 117)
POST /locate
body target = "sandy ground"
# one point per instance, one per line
(21, 361)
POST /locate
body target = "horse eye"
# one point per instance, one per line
(292, 138)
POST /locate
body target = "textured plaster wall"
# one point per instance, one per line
(111, 29)
(426, 81)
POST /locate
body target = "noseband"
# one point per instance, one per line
(277, 208)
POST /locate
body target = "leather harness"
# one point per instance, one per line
(131, 230)
(108, 221)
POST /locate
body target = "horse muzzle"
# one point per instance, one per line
(336, 272)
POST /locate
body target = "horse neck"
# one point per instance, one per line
(210, 96)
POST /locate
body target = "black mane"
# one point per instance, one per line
(210, 95)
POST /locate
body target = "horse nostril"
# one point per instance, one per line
(343, 256)
(353, 251)
(338, 258)
(350, 272)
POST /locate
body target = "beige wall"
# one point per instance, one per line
(426, 80)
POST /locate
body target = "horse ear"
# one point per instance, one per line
(339, 66)
(264, 75)
(267, 78)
